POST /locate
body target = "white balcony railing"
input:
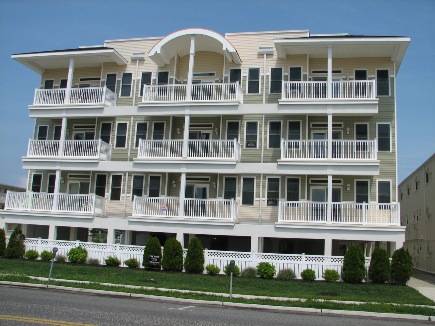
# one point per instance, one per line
(156, 206)
(76, 96)
(318, 90)
(318, 149)
(196, 149)
(55, 203)
(341, 213)
(69, 149)
(206, 92)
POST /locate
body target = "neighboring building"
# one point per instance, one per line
(262, 141)
(3, 189)
(417, 200)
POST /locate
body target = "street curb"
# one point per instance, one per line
(299, 310)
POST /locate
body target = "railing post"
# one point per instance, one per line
(103, 99)
(99, 149)
(282, 148)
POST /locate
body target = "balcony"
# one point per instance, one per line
(197, 150)
(69, 149)
(225, 93)
(214, 209)
(61, 203)
(341, 213)
(86, 96)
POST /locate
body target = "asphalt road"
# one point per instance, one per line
(20, 306)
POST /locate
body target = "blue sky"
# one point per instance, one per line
(57, 24)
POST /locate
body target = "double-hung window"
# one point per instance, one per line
(57, 132)
(274, 134)
(158, 130)
(42, 132)
(254, 80)
(230, 188)
(111, 82)
(272, 191)
(105, 131)
(36, 182)
(121, 135)
(384, 137)
(51, 183)
(141, 132)
(295, 74)
(293, 189)
(294, 130)
(126, 84)
(251, 134)
(48, 84)
(362, 191)
(116, 186)
(248, 190)
(232, 130)
(275, 80)
(382, 82)
(384, 192)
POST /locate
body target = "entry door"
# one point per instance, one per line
(84, 135)
(193, 207)
(319, 150)
(78, 187)
(336, 209)
(318, 195)
(199, 149)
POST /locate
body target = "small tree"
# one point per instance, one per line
(15, 248)
(2, 242)
(401, 266)
(194, 262)
(172, 256)
(152, 248)
(354, 269)
(379, 269)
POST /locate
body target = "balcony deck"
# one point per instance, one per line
(76, 97)
(69, 149)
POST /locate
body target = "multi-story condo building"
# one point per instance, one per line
(417, 194)
(278, 141)
(4, 189)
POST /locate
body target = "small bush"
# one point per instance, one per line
(112, 261)
(194, 262)
(266, 270)
(15, 248)
(249, 272)
(401, 266)
(77, 255)
(46, 255)
(308, 275)
(2, 242)
(331, 275)
(286, 275)
(152, 248)
(235, 270)
(354, 269)
(93, 261)
(212, 269)
(61, 259)
(172, 256)
(131, 263)
(379, 269)
(31, 255)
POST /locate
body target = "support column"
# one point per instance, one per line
(328, 247)
(110, 236)
(182, 193)
(329, 84)
(52, 232)
(69, 80)
(329, 136)
(329, 204)
(56, 190)
(62, 136)
(255, 247)
(191, 63)
(72, 234)
(180, 238)
(186, 135)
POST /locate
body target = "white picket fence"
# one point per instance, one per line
(243, 260)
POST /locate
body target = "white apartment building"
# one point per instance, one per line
(278, 142)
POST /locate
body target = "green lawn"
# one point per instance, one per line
(219, 284)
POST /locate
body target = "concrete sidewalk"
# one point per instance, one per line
(425, 288)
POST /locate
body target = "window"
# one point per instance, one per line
(254, 80)
(230, 188)
(158, 130)
(42, 132)
(361, 191)
(111, 82)
(115, 189)
(293, 189)
(360, 74)
(121, 135)
(384, 139)
(163, 78)
(100, 185)
(275, 80)
(232, 130)
(274, 134)
(295, 74)
(294, 130)
(36, 182)
(141, 132)
(137, 187)
(361, 131)
(384, 192)
(154, 186)
(251, 134)
(145, 80)
(382, 83)
(426, 174)
(63, 83)
(126, 84)
(48, 84)
(416, 184)
(272, 191)
(57, 132)
(248, 191)
(105, 132)
(51, 183)
(235, 75)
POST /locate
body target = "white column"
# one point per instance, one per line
(62, 136)
(72, 234)
(52, 232)
(186, 135)
(328, 247)
(329, 207)
(254, 244)
(69, 79)
(110, 236)
(329, 85)
(191, 63)
(182, 193)
(56, 190)
(180, 238)
(329, 135)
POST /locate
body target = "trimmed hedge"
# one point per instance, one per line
(2, 242)
(286, 275)
(308, 275)
(152, 248)
(212, 269)
(401, 266)
(249, 272)
(379, 269)
(266, 270)
(132, 263)
(31, 255)
(61, 259)
(46, 255)
(93, 262)
(15, 248)
(354, 269)
(194, 262)
(172, 256)
(112, 261)
(235, 270)
(331, 275)
(77, 255)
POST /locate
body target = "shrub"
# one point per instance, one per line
(331, 275)
(379, 269)
(152, 248)
(46, 255)
(266, 270)
(2, 242)
(212, 269)
(194, 262)
(235, 270)
(15, 248)
(112, 261)
(249, 272)
(93, 261)
(286, 275)
(132, 263)
(77, 255)
(401, 266)
(354, 269)
(61, 259)
(308, 275)
(172, 256)
(31, 255)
